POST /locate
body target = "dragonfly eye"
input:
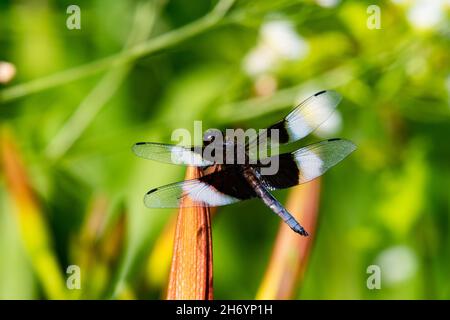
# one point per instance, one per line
(212, 135)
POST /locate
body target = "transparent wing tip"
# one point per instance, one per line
(332, 95)
(152, 201)
(136, 148)
(345, 146)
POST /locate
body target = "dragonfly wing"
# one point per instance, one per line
(212, 190)
(307, 163)
(301, 121)
(307, 116)
(169, 153)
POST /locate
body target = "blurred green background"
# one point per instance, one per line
(72, 113)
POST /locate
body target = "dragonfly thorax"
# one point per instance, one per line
(225, 152)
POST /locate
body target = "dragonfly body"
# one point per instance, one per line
(253, 179)
(240, 174)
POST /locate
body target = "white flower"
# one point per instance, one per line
(331, 126)
(282, 38)
(400, 2)
(426, 14)
(7, 72)
(328, 3)
(397, 264)
(278, 41)
(259, 60)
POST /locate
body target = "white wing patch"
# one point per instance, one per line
(207, 194)
(168, 153)
(311, 113)
(181, 155)
(317, 158)
(310, 165)
(297, 128)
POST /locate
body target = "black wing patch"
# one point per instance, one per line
(306, 163)
(287, 175)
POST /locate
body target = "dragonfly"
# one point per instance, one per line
(230, 183)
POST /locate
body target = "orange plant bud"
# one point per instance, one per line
(191, 273)
(33, 226)
(290, 253)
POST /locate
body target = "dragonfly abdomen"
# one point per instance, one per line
(252, 177)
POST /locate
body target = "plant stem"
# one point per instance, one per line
(291, 252)
(149, 47)
(191, 273)
(253, 107)
(145, 16)
(33, 227)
